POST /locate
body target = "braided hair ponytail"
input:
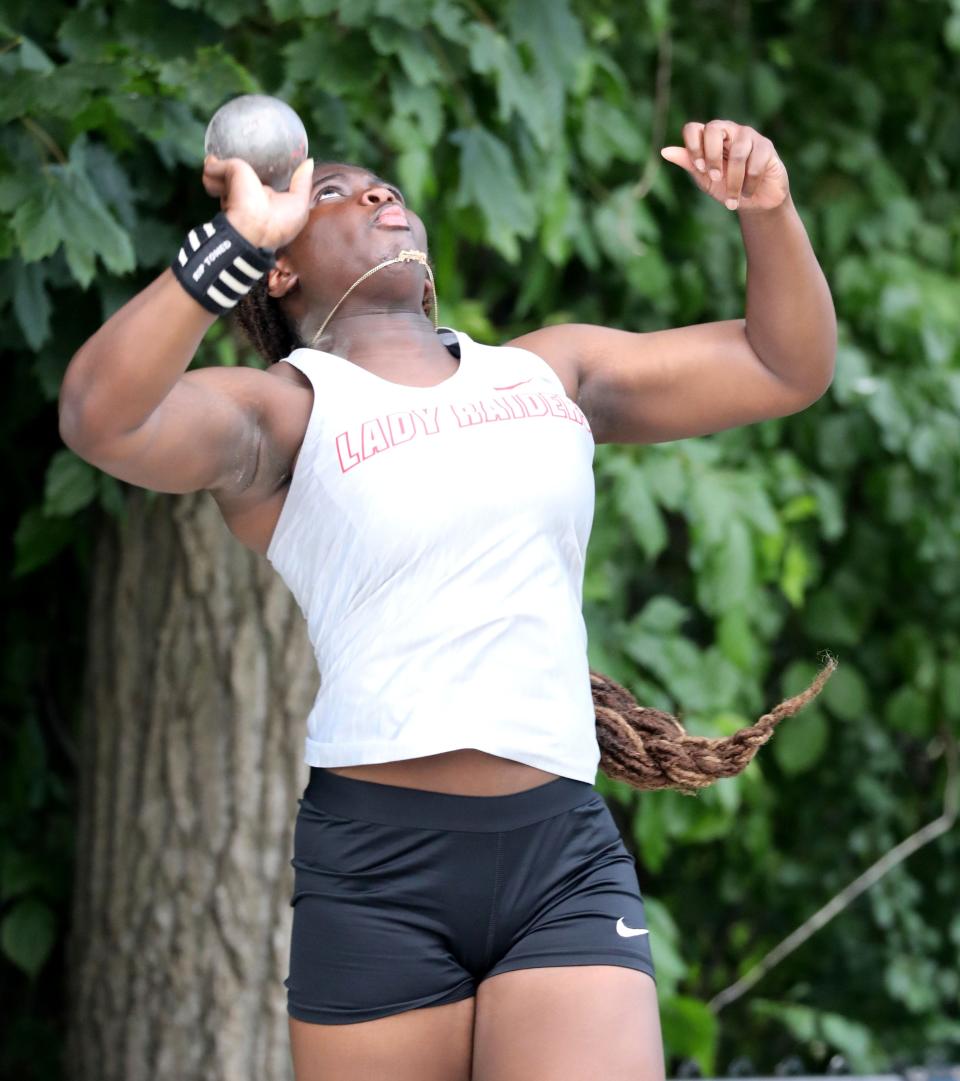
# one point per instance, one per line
(650, 749)
(642, 746)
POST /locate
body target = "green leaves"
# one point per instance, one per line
(71, 484)
(489, 180)
(718, 567)
(37, 224)
(635, 502)
(665, 940)
(610, 134)
(31, 302)
(847, 693)
(703, 682)
(852, 1039)
(727, 513)
(412, 50)
(63, 207)
(493, 53)
(38, 538)
(27, 934)
(550, 30)
(690, 1030)
(801, 741)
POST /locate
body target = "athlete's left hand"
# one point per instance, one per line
(733, 163)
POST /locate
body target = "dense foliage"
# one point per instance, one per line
(526, 132)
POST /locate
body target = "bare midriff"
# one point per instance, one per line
(466, 772)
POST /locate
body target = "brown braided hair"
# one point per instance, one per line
(266, 325)
(642, 746)
(649, 749)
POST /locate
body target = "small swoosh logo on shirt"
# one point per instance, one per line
(629, 932)
(513, 385)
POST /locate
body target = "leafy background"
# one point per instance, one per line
(527, 133)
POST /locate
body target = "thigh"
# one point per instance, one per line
(433, 1043)
(375, 928)
(570, 895)
(567, 1023)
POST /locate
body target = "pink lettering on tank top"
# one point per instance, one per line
(379, 434)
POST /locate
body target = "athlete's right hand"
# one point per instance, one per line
(267, 218)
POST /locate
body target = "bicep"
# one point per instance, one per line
(204, 435)
(663, 385)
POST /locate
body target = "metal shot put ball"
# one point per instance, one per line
(262, 130)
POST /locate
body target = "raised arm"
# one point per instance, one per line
(670, 384)
(127, 403)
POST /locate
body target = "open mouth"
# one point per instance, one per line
(392, 216)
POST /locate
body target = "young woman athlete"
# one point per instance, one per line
(464, 905)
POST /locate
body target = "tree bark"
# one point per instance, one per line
(199, 678)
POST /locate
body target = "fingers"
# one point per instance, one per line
(714, 135)
(739, 152)
(302, 180)
(760, 158)
(264, 216)
(727, 159)
(706, 144)
(679, 155)
(222, 175)
(214, 176)
(693, 141)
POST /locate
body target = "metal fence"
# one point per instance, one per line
(837, 1067)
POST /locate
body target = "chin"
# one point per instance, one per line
(400, 239)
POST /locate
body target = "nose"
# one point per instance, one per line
(377, 194)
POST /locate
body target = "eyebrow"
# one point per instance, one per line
(343, 176)
(329, 176)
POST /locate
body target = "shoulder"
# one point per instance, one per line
(278, 399)
(284, 399)
(246, 383)
(559, 346)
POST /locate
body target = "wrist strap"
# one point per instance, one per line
(218, 267)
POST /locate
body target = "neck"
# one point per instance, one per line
(406, 256)
(384, 339)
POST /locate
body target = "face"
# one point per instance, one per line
(356, 221)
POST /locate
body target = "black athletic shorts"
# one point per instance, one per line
(406, 898)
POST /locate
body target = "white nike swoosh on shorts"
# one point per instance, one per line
(629, 932)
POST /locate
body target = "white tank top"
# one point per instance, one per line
(434, 539)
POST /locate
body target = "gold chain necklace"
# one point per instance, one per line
(408, 255)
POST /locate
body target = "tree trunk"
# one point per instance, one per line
(199, 678)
